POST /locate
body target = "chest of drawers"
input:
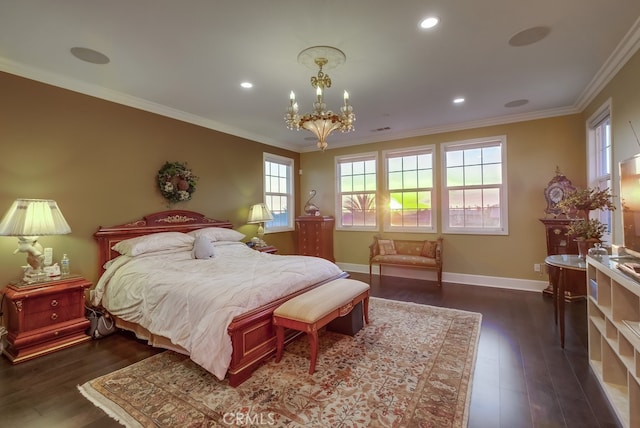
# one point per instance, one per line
(44, 318)
(315, 236)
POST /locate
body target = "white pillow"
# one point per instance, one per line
(154, 242)
(218, 234)
(203, 248)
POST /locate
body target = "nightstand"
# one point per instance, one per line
(44, 317)
(268, 249)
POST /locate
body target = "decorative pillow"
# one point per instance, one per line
(218, 234)
(429, 249)
(154, 242)
(202, 248)
(386, 247)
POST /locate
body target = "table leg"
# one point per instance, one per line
(561, 287)
(553, 277)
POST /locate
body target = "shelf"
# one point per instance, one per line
(613, 308)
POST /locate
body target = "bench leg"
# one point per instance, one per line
(365, 305)
(279, 342)
(313, 341)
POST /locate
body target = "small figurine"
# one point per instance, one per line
(309, 208)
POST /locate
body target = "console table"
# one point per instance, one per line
(559, 266)
(559, 243)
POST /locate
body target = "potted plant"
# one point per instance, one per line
(577, 205)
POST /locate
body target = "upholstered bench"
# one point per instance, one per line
(314, 309)
(423, 254)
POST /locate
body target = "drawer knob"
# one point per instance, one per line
(54, 303)
(54, 316)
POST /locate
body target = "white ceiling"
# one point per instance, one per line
(186, 59)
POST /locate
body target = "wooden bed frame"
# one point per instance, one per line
(252, 334)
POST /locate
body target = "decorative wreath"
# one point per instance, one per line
(176, 182)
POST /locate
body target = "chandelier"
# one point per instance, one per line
(321, 122)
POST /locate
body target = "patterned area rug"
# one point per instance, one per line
(410, 367)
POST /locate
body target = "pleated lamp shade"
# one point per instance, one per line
(34, 217)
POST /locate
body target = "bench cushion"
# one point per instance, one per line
(315, 304)
(407, 260)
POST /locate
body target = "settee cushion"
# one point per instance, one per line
(404, 259)
(386, 247)
(429, 249)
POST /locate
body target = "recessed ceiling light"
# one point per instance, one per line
(458, 100)
(247, 85)
(429, 22)
(89, 55)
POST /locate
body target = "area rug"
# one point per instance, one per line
(410, 367)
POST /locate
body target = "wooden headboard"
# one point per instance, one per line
(164, 221)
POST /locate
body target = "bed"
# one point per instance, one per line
(217, 310)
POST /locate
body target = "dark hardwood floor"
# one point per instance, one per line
(523, 378)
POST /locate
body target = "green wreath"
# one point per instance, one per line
(176, 182)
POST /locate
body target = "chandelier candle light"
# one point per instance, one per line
(321, 122)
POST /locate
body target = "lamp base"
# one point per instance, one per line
(32, 276)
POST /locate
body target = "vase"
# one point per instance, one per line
(584, 245)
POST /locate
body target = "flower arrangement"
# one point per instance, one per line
(580, 202)
(176, 182)
(587, 229)
(586, 200)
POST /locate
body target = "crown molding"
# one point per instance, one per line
(627, 47)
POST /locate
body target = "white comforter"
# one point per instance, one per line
(192, 302)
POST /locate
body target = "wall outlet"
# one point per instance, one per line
(536, 267)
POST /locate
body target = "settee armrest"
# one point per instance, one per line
(439, 250)
(373, 248)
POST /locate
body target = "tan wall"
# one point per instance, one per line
(99, 161)
(624, 93)
(534, 149)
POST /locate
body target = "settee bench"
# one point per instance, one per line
(423, 254)
(310, 311)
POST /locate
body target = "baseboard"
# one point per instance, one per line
(458, 278)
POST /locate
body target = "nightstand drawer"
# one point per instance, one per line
(50, 302)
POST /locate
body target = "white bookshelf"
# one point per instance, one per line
(613, 310)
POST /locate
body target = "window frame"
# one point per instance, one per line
(500, 140)
(338, 160)
(384, 206)
(596, 177)
(290, 194)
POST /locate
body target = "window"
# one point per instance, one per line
(474, 200)
(278, 192)
(599, 158)
(409, 174)
(356, 192)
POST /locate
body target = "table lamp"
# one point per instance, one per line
(259, 213)
(28, 219)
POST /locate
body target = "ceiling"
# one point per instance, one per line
(186, 59)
